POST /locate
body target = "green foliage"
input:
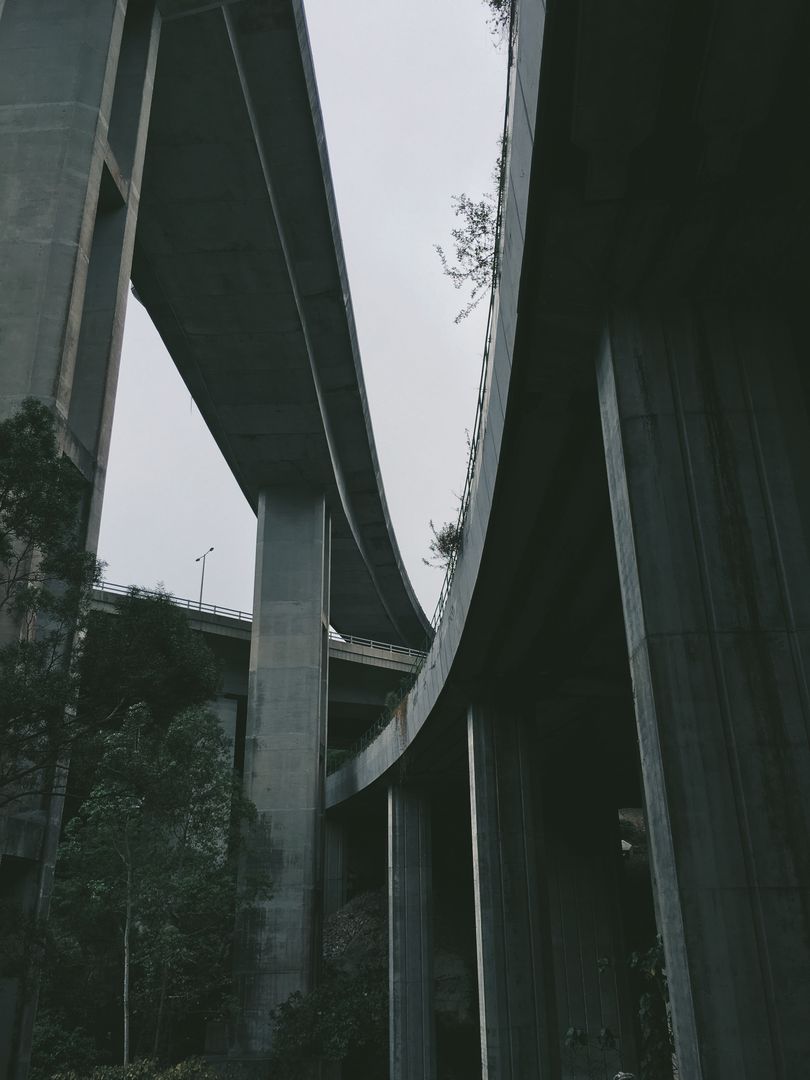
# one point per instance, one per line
(45, 582)
(345, 1016)
(40, 491)
(475, 240)
(148, 1069)
(56, 1043)
(146, 881)
(146, 655)
(657, 1047)
(445, 545)
(474, 248)
(500, 15)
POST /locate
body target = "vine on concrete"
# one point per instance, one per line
(657, 1045)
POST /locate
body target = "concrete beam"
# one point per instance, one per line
(278, 942)
(412, 1046)
(514, 957)
(707, 443)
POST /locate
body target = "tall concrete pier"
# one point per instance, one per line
(76, 94)
(412, 1037)
(278, 942)
(707, 441)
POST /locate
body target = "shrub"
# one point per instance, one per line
(346, 1015)
(147, 1069)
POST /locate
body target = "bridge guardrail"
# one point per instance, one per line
(191, 605)
(247, 616)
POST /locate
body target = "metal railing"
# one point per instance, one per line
(191, 605)
(380, 646)
(385, 719)
(475, 436)
(105, 587)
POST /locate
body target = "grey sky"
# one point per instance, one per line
(412, 96)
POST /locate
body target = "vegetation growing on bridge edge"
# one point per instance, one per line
(500, 15)
(474, 249)
(445, 544)
(475, 239)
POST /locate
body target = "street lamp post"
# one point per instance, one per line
(202, 559)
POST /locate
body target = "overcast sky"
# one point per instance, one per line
(412, 96)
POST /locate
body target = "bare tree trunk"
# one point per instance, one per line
(127, 925)
(161, 1010)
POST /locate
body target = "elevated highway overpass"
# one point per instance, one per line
(626, 623)
(362, 673)
(634, 547)
(181, 145)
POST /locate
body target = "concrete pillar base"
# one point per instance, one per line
(410, 936)
(515, 988)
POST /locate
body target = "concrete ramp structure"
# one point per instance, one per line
(608, 737)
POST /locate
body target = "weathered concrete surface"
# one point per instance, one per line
(278, 942)
(589, 951)
(707, 441)
(75, 94)
(412, 1040)
(515, 991)
(335, 866)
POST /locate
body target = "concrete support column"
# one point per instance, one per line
(515, 987)
(590, 956)
(278, 942)
(75, 95)
(335, 866)
(412, 1046)
(708, 453)
(72, 75)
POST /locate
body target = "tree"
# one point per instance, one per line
(474, 243)
(445, 545)
(500, 15)
(45, 582)
(143, 906)
(147, 654)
